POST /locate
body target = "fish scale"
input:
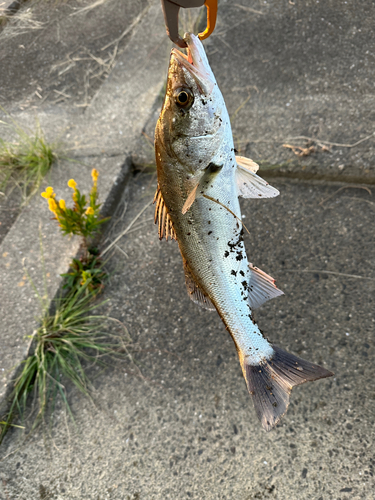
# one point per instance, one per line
(199, 181)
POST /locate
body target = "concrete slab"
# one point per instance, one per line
(129, 111)
(187, 429)
(61, 55)
(290, 70)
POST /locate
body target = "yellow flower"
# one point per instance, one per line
(90, 211)
(72, 183)
(48, 193)
(94, 174)
(52, 205)
(62, 204)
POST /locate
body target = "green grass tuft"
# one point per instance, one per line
(66, 340)
(24, 163)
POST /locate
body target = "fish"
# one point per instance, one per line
(200, 179)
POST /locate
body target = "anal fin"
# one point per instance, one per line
(194, 291)
(261, 287)
(162, 219)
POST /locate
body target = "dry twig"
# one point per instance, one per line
(299, 151)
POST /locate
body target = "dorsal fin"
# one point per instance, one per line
(194, 292)
(249, 184)
(261, 287)
(165, 226)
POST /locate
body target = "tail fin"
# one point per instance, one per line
(271, 382)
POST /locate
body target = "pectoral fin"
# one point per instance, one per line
(261, 287)
(206, 176)
(249, 184)
(247, 164)
(190, 199)
(165, 226)
(194, 292)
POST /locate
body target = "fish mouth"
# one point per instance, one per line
(196, 63)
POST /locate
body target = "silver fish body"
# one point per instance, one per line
(199, 181)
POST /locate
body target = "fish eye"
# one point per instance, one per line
(184, 98)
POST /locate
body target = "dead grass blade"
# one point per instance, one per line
(134, 23)
(248, 9)
(328, 143)
(354, 186)
(311, 271)
(89, 7)
(20, 23)
(127, 229)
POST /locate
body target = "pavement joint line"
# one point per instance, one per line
(112, 108)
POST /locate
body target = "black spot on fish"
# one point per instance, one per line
(226, 254)
(232, 246)
(235, 150)
(244, 284)
(189, 222)
(233, 272)
(252, 319)
(239, 256)
(209, 222)
(241, 272)
(188, 234)
(209, 232)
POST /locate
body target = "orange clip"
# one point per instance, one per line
(211, 6)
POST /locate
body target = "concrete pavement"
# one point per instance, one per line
(184, 426)
(179, 423)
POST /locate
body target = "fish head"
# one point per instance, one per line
(193, 118)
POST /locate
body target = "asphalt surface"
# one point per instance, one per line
(177, 422)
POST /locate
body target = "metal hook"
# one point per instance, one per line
(171, 10)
